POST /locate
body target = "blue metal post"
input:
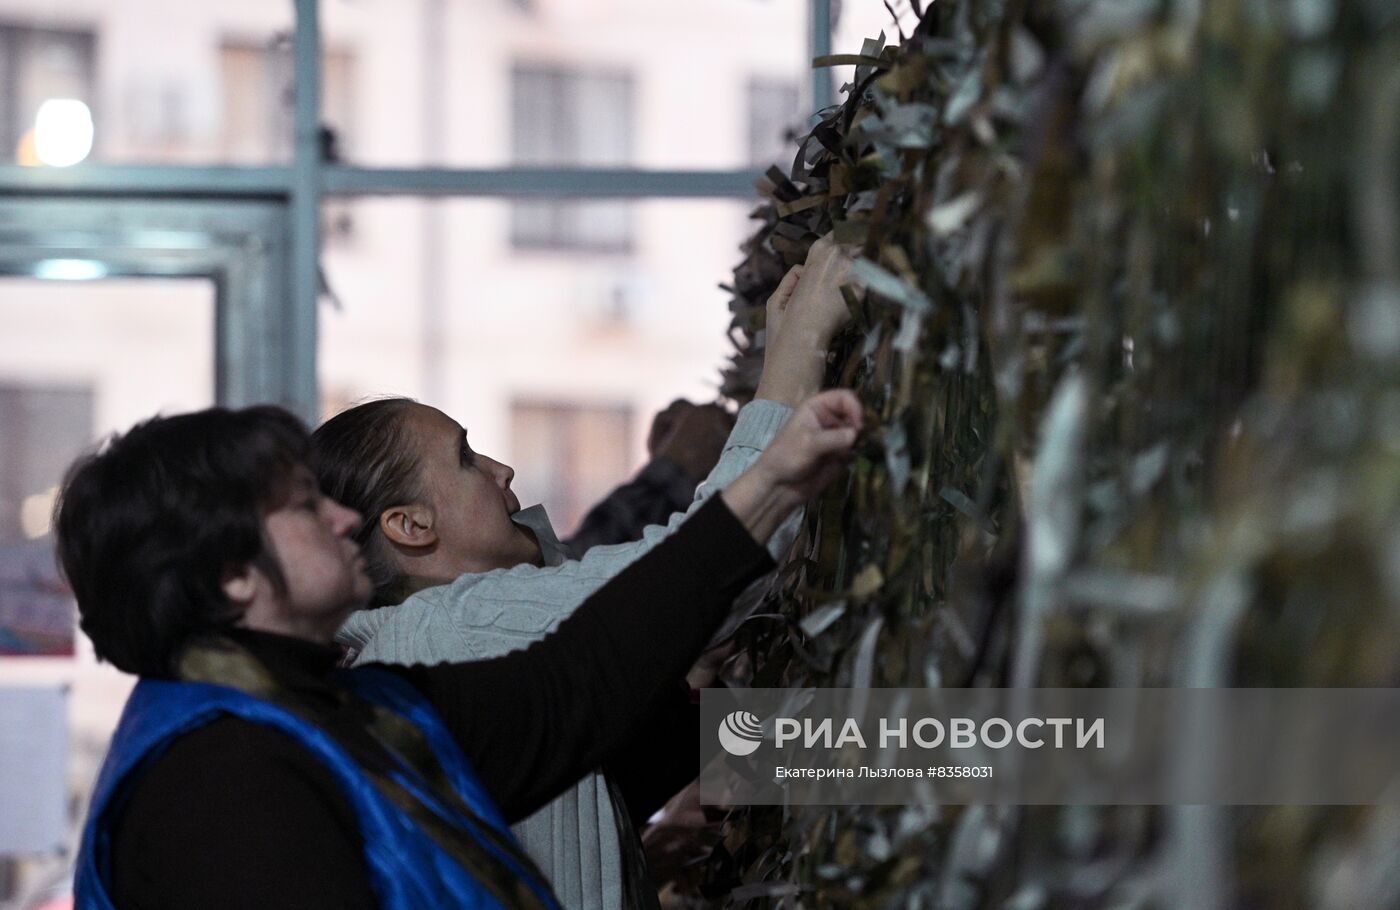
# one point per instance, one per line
(305, 205)
(819, 45)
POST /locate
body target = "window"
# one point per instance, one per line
(774, 118)
(257, 115)
(257, 81)
(36, 614)
(571, 117)
(568, 456)
(36, 65)
(39, 420)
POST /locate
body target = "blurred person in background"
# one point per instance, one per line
(247, 770)
(462, 573)
(683, 446)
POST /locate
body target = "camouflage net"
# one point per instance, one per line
(1130, 347)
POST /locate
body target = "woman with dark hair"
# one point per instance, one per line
(461, 573)
(247, 771)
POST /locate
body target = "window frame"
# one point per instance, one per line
(302, 186)
(554, 226)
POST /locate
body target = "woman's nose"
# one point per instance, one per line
(503, 473)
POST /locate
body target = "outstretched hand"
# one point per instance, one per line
(815, 303)
(809, 452)
(775, 312)
(803, 315)
(815, 445)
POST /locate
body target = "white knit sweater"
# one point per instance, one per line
(573, 839)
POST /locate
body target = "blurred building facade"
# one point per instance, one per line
(552, 330)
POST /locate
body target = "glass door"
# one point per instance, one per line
(111, 311)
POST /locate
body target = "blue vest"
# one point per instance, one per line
(407, 869)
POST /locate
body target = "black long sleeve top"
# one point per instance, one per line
(236, 815)
(647, 778)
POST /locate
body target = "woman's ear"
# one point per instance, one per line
(409, 526)
(240, 585)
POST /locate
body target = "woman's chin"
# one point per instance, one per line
(529, 550)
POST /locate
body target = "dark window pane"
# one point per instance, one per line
(38, 420)
(39, 65)
(571, 117)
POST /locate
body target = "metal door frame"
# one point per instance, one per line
(240, 245)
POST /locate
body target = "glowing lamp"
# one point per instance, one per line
(62, 132)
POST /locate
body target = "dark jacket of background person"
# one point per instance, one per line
(660, 489)
(684, 443)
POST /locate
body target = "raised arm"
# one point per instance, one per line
(803, 316)
(485, 615)
(534, 721)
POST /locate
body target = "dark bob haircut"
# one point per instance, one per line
(149, 526)
(363, 458)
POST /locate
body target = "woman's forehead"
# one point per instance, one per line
(296, 480)
(432, 427)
